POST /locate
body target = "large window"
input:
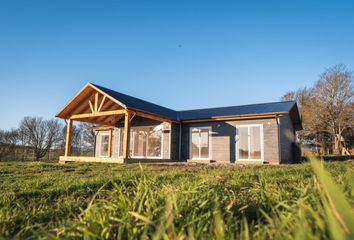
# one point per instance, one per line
(200, 143)
(250, 142)
(104, 145)
(146, 141)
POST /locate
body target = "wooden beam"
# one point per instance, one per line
(69, 126)
(94, 121)
(110, 142)
(153, 117)
(102, 102)
(96, 101)
(90, 103)
(126, 135)
(98, 114)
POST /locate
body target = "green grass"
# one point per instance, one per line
(104, 201)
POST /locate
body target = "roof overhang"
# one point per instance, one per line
(236, 117)
(93, 105)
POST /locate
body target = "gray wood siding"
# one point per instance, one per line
(224, 135)
(287, 139)
(175, 141)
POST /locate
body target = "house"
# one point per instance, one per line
(134, 130)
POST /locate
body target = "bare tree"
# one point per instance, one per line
(88, 133)
(40, 134)
(8, 141)
(289, 96)
(335, 96)
(76, 139)
(306, 103)
(300, 96)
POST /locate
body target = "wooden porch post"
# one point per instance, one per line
(110, 142)
(69, 126)
(126, 135)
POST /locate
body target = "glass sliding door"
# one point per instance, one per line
(204, 143)
(250, 142)
(195, 143)
(146, 141)
(200, 143)
(243, 142)
(255, 142)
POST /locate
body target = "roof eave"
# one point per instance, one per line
(235, 117)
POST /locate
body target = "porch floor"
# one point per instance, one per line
(64, 159)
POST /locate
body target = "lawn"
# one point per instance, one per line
(104, 201)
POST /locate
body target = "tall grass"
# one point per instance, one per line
(310, 201)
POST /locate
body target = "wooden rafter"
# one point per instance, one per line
(96, 101)
(101, 105)
(150, 116)
(84, 95)
(91, 107)
(95, 108)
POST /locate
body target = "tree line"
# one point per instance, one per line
(36, 138)
(327, 111)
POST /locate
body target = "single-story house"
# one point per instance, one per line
(134, 130)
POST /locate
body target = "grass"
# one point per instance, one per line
(104, 201)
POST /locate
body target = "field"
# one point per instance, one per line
(105, 201)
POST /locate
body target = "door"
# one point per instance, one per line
(249, 142)
(200, 143)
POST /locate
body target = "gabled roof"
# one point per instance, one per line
(139, 104)
(262, 109)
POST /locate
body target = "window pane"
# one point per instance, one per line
(243, 142)
(146, 141)
(204, 143)
(139, 145)
(104, 145)
(255, 140)
(195, 143)
(154, 141)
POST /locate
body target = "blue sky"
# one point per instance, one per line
(180, 54)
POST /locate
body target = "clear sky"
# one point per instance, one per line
(179, 54)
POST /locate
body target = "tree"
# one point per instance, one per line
(88, 134)
(8, 141)
(334, 93)
(76, 139)
(40, 134)
(306, 103)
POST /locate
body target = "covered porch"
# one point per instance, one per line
(94, 105)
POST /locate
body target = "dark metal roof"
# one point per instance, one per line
(139, 104)
(262, 108)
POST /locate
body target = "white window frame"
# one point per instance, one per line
(103, 133)
(249, 143)
(190, 144)
(131, 146)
